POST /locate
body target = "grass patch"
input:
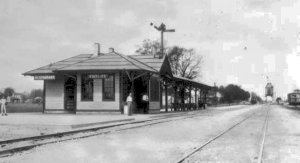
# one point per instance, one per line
(23, 107)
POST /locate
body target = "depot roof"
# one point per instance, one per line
(114, 61)
(108, 61)
(48, 69)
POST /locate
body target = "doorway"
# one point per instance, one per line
(140, 91)
(70, 93)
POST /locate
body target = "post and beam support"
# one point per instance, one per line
(190, 97)
(166, 96)
(196, 100)
(175, 98)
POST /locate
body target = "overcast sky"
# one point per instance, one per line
(242, 41)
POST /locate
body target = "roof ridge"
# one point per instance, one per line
(89, 58)
(141, 62)
(123, 56)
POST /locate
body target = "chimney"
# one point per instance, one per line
(98, 48)
(157, 54)
(160, 55)
(111, 50)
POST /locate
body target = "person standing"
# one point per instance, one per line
(145, 102)
(129, 103)
(3, 107)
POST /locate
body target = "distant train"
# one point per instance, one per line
(294, 98)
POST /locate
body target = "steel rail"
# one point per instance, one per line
(60, 134)
(266, 122)
(11, 151)
(212, 139)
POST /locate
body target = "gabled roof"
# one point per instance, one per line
(155, 63)
(161, 65)
(109, 61)
(48, 69)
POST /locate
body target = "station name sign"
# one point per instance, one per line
(44, 77)
(98, 76)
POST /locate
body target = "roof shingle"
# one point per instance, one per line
(48, 69)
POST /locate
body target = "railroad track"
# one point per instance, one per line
(13, 146)
(260, 154)
(265, 128)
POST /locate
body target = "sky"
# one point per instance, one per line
(242, 41)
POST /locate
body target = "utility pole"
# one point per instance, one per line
(162, 29)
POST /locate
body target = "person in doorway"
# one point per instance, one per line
(3, 107)
(145, 99)
(129, 103)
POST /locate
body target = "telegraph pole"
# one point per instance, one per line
(162, 29)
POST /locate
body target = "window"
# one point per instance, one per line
(108, 90)
(87, 86)
(154, 89)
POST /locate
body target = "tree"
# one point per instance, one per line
(278, 100)
(233, 93)
(255, 98)
(36, 93)
(9, 91)
(148, 47)
(185, 62)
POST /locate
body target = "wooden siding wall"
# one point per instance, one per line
(154, 107)
(97, 104)
(55, 93)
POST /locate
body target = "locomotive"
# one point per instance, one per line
(294, 98)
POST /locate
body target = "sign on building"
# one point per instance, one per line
(98, 76)
(44, 77)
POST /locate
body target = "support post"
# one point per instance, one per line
(175, 98)
(132, 95)
(44, 96)
(205, 93)
(200, 97)
(166, 96)
(196, 100)
(160, 95)
(190, 97)
(148, 94)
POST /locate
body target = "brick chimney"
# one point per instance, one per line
(111, 50)
(98, 49)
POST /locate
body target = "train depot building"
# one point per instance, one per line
(102, 82)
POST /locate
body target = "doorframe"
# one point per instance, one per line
(66, 76)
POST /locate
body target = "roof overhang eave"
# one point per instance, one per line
(105, 70)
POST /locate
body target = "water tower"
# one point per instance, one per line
(269, 91)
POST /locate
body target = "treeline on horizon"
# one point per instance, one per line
(22, 97)
(234, 94)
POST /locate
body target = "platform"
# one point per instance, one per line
(17, 125)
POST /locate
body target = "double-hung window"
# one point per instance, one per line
(87, 86)
(108, 90)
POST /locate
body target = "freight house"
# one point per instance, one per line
(101, 83)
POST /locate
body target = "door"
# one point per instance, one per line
(70, 93)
